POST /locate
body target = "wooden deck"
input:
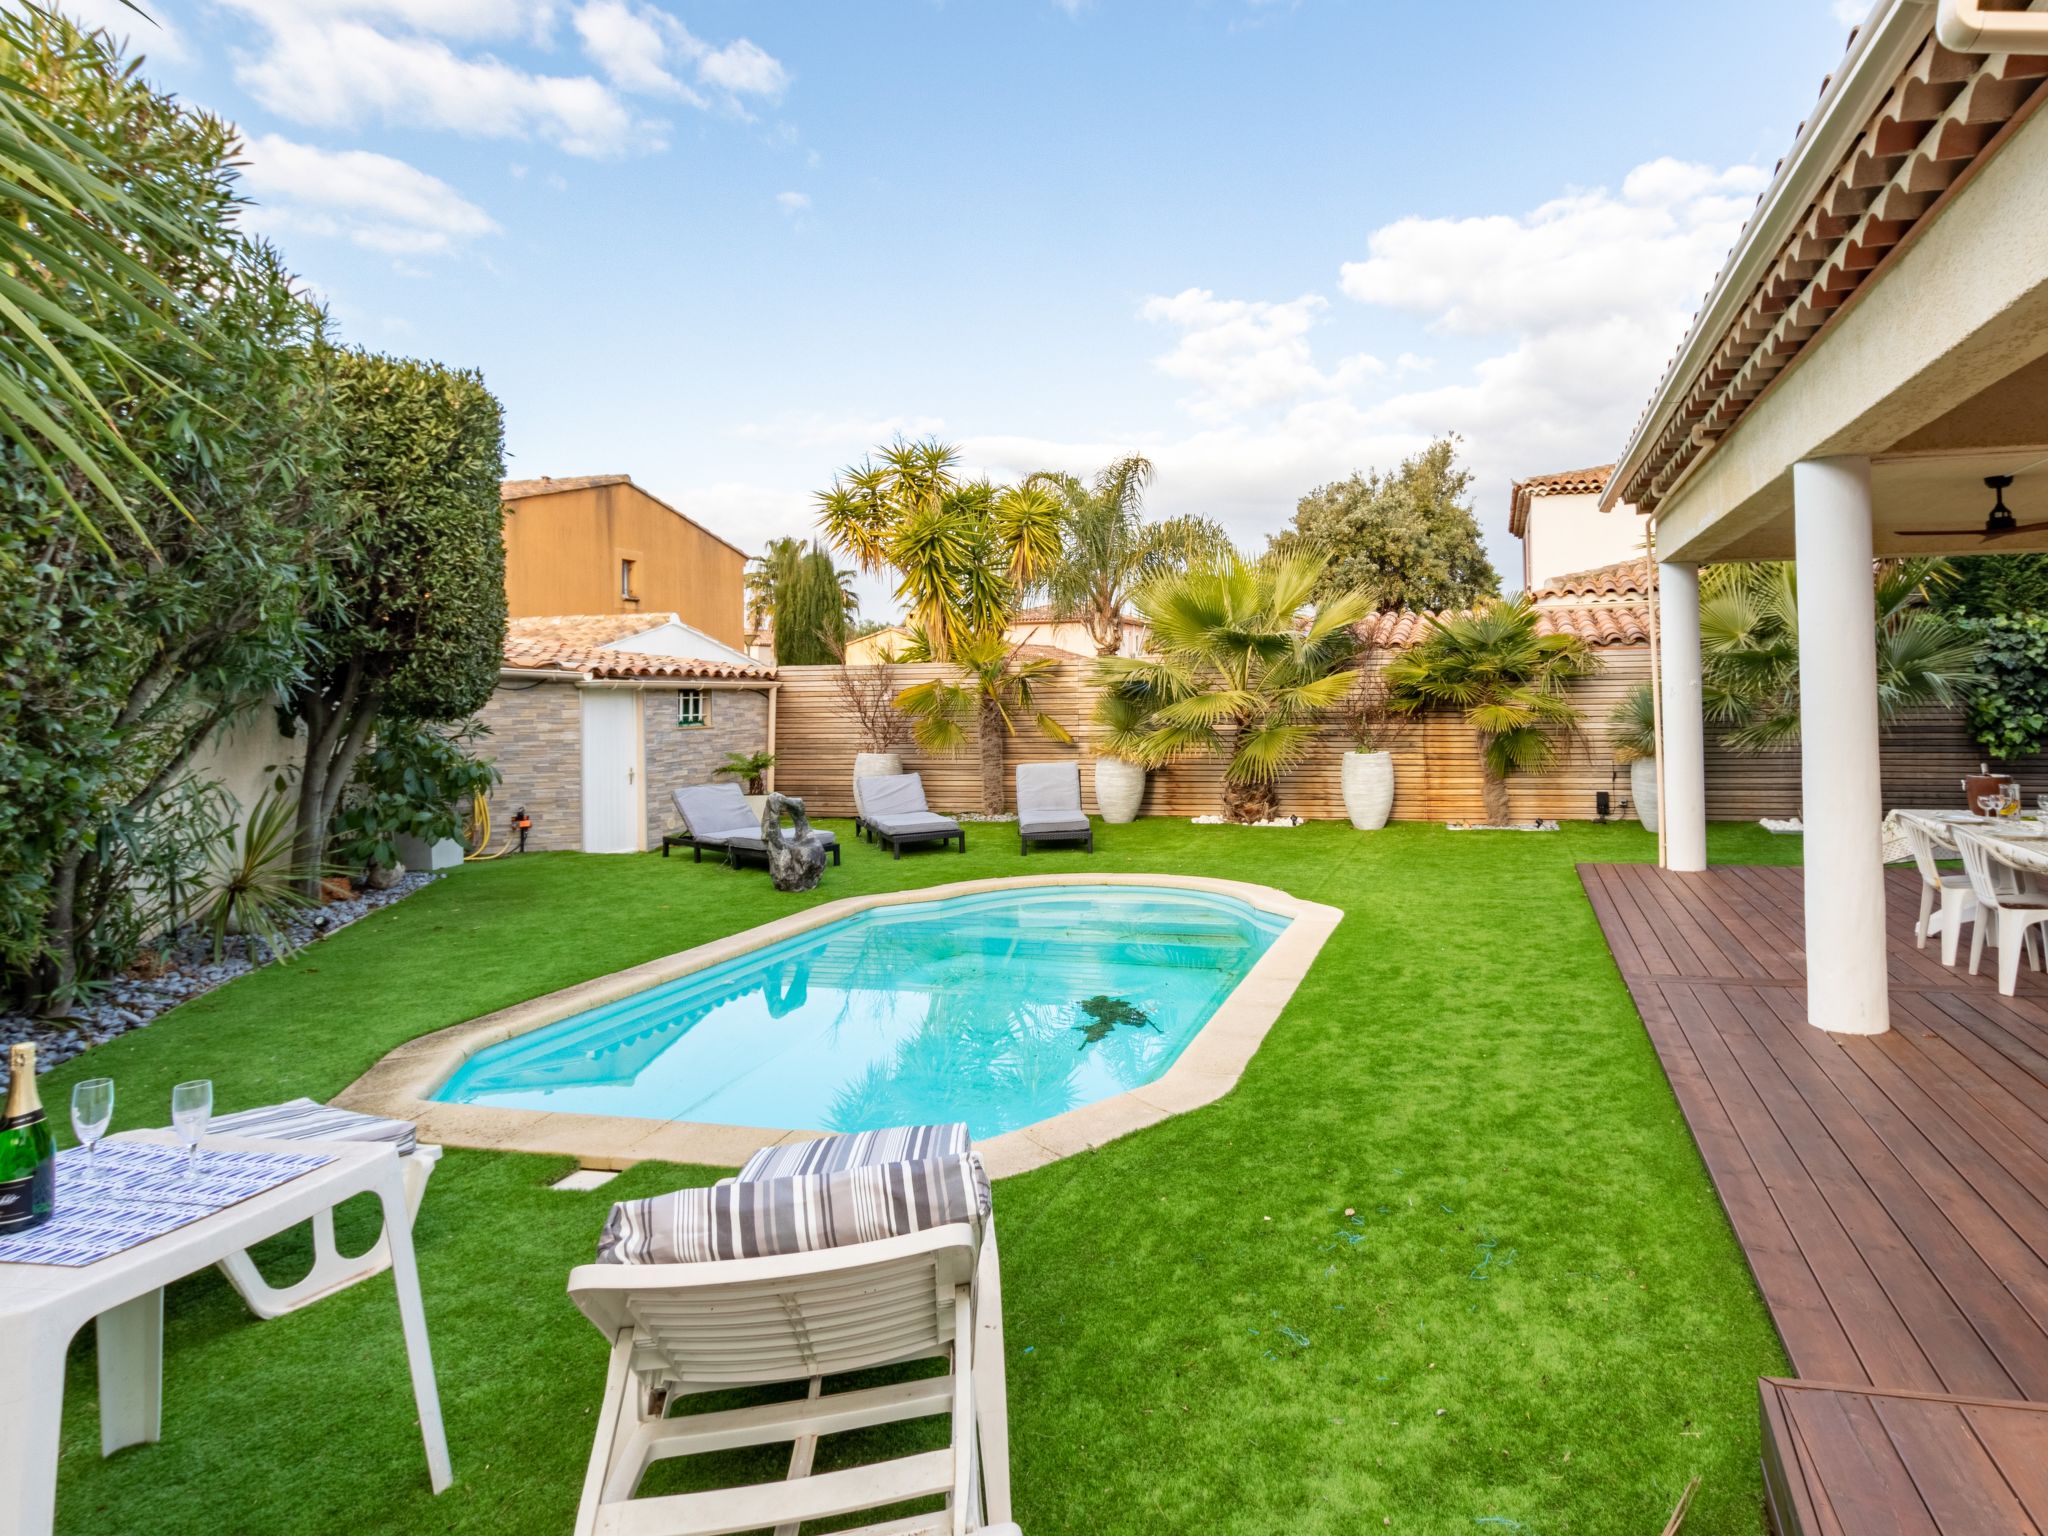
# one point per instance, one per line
(1890, 1193)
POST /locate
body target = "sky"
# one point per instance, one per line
(729, 246)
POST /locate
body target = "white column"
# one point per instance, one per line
(1682, 758)
(1841, 798)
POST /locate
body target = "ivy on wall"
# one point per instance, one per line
(2009, 711)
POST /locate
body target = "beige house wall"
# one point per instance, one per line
(1568, 533)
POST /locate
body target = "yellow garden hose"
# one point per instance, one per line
(480, 831)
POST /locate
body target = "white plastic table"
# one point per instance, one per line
(42, 1306)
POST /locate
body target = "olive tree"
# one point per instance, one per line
(417, 631)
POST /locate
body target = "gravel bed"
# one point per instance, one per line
(132, 1003)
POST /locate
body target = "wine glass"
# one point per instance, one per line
(92, 1110)
(1987, 805)
(191, 1108)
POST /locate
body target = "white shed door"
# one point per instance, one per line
(611, 770)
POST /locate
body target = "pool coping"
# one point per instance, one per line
(399, 1085)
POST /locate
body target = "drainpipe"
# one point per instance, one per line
(1967, 26)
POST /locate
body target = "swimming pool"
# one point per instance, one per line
(1001, 1008)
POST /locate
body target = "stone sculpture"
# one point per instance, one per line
(796, 860)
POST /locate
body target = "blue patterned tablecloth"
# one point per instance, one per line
(139, 1191)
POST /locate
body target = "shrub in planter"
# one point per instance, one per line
(414, 782)
(1367, 773)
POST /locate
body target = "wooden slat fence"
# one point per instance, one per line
(1437, 772)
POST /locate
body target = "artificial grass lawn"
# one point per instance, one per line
(1536, 1321)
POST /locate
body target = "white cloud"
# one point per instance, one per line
(1851, 13)
(371, 200)
(793, 203)
(337, 73)
(1245, 355)
(468, 19)
(640, 48)
(149, 32)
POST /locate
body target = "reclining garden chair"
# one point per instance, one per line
(1049, 806)
(821, 1258)
(717, 816)
(893, 808)
(305, 1120)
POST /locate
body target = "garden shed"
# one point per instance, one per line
(597, 717)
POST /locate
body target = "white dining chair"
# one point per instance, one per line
(2010, 908)
(1949, 888)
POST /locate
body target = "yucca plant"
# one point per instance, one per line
(249, 885)
(1244, 668)
(1506, 680)
(1749, 648)
(997, 687)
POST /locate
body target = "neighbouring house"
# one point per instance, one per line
(1563, 529)
(597, 717)
(599, 544)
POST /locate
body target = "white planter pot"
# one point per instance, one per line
(1368, 779)
(1642, 788)
(756, 803)
(876, 765)
(1119, 789)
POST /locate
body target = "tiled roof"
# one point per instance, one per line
(1045, 613)
(547, 485)
(1036, 652)
(1566, 482)
(589, 643)
(1942, 113)
(1621, 580)
(1596, 624)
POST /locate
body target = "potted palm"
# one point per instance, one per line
(869, 693)
(751, 769)
(1635, 743)
(1119, 762)
(1368, 767)
(1248, 664)
(1506, 679)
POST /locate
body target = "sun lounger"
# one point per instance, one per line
(1049, 806)
(893, 808)
(305, 1120)
(846, 1254)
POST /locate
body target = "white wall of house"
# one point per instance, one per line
(1568, 533)
(246, 756)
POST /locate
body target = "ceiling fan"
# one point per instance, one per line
(1999, 522)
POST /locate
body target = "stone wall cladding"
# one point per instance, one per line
(537, 742)
(735, 720)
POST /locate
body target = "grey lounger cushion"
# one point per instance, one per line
(715, 812)
(797, 1213)
(1049, 800)
(896, 808)
(754, 842)
(1051, 823)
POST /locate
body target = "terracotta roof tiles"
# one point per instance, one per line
(1622, 580)
(548, 485)
(588, 643)
(1565, 482)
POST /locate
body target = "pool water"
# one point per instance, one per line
(999, 1009)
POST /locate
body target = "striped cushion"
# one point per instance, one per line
(305, 1120)
(826, 1154)
(799, 1213)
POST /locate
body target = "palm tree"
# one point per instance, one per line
(1244, 669)
(962, 550)
(80, 233)
(1504, 678)
(1109, 550)
(996, 688)
(1749, 648)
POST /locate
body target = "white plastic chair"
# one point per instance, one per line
(1951, 888)
(333, 1270)
(2008, 906)
(678, 1329)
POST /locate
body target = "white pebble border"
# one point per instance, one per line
(131, 1003)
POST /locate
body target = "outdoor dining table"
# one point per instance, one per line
(42, 1306)
(1941, 825)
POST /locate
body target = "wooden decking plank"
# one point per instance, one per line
(1844, 1446)
(1997, 1284)
(2017, 1442)
(1885, 1346)
(1717, 951)
(1956, 1479)
(1777, 958)
(1798, 1303)
(1902, 1238)
(2000, 1095)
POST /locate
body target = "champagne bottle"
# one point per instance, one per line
(28, 1152)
